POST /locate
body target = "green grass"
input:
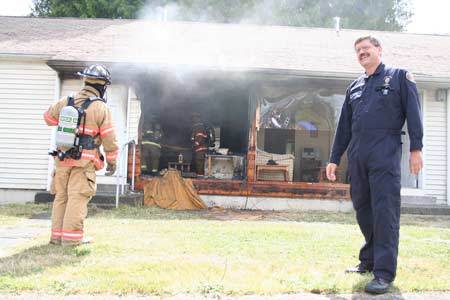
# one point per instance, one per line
(13, 214)
(154, 251)
(22, 210)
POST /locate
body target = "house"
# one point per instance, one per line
(270, 92)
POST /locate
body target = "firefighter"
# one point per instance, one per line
(151, 147)
(373, 114)
(74, 181)
(199, 140)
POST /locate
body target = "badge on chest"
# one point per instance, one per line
(385, 88)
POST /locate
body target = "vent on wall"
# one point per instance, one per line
(441, 95)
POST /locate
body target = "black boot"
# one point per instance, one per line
(378, 286)
(361, 269)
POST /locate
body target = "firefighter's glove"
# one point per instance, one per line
(110, 169)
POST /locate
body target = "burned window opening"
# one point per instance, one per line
(297, 121)
(180, 119)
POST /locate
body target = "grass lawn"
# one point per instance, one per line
(13, 214)
(154, 251)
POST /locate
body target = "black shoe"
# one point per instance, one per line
(377, 286)
(361, 269)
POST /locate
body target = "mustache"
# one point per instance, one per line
(363, 54)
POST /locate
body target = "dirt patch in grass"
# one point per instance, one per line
(220, 214)
(43, 211)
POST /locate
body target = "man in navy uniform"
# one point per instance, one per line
(370, 126)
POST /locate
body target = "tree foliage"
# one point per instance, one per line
(355, 14)
(126, 9)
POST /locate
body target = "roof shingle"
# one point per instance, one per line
(227, 46)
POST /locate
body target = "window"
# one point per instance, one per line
(299, 121)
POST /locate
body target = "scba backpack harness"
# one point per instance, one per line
(68, 134)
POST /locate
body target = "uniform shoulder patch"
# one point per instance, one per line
(410, 77)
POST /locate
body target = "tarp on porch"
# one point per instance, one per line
(171, 191)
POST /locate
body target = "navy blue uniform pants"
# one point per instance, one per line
(374, 169)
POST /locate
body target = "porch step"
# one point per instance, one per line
(418, 199)
(425, 209)
(101, 199)
(110, 188)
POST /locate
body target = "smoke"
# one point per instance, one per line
(162, 42)
(282, 12)
(262, 12)
(174, 61)
(170, 59)
(179, 50)
(154, 12)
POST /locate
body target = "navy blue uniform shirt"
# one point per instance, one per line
(379, 103)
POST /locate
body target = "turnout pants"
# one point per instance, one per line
(74, 187)
(199, 159)
(151, 154)
(374, 169)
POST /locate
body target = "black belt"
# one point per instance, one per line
(87, 142)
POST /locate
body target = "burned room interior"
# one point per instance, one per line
(295, 121)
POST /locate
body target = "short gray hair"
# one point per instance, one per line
(373, 40)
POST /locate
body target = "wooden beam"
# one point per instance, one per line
(300, 190)
(251, 154)
(272, 189)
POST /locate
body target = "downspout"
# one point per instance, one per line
(129, 138)
(448, 151)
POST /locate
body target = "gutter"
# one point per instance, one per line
(420, 78)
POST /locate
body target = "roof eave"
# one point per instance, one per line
(423, 79)
(25, 56)
(420, 78)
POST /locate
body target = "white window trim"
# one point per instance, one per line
(52, 146)
(422, 175)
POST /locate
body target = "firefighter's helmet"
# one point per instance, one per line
(96, 73)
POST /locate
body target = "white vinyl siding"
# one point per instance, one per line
(435, 147)
(27, 89)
